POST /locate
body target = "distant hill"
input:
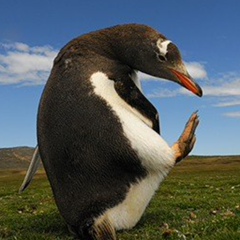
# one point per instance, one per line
(18, 158)
(15, 158)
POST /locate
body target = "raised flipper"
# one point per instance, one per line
(185, 143)
(33, 167)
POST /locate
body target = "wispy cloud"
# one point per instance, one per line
(228, 103)
(232, 114)
(23, 64)
(196, 70)
(224, 88)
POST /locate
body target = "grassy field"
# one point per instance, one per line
(200, 199)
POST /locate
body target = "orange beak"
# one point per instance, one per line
(188, 83)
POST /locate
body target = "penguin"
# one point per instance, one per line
(99, 136)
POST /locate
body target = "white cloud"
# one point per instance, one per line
(227, 103)
(22, 64)
(196, 70)
(232, 114)
(224, 88)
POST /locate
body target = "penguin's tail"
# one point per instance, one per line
(100, 229)
(32, 169)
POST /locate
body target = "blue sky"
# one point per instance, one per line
(206, 32)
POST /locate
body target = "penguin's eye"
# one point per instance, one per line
(162, 58)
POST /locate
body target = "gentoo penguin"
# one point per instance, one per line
(98, 135)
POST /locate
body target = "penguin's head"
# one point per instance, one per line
(167, 63)
(150, 52)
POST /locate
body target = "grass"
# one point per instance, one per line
(200, 199)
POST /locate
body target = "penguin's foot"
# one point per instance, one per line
(103, 230)
(185, 143)
(100, 229)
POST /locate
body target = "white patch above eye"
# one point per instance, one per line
(163, 45)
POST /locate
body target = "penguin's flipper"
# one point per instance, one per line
(33, 167)
(185, 143)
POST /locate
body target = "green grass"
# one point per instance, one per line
(200, 199)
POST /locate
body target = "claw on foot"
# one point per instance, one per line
(186, 142)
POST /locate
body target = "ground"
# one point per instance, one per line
(200, 199)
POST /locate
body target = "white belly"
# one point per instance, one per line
(154, 153)
(128, 213)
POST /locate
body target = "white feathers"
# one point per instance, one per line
(154, 153)
(163, 45)
(126, 214)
